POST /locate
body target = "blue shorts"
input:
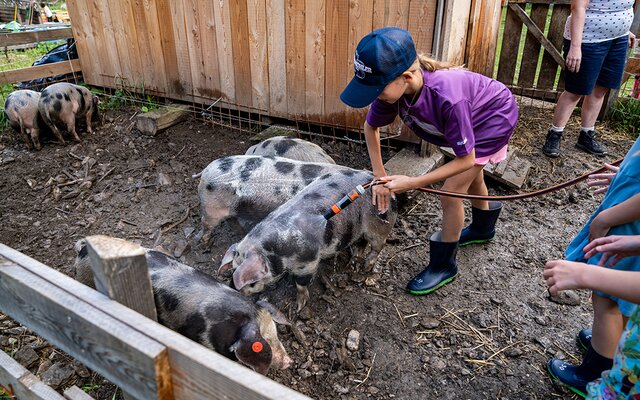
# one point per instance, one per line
(602, 64)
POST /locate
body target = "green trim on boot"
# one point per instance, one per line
(573, 389)
(433, 289)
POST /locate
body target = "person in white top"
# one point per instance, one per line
(47, 12)
(596, 37)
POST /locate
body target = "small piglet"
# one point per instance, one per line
(295, 149)
(63, 103)
(21, 109)
(295, 237)
(247, 188)
(207, 311)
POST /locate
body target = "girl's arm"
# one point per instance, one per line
(380, 194)
(562, 275)
(401, 183)
(372, 136)
(623, 213)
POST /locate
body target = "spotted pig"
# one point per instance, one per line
(295, 237)
(287, 147)
(247, 188)
(21, 109)
(61, 104)
(207, 311)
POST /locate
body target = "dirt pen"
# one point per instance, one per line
(487, 335)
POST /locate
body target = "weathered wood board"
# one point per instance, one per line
(410, 163)
(24, 384)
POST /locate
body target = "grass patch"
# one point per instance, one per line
(625, 116)
(124, 96)
(16, 59)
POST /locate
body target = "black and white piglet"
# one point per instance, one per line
(247, 188)
(206, 311)
(21, 109)
(293, 148)
(295, 237)
(62, 103)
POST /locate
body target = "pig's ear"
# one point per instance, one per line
(276, 314)
(252, 350)
(227, 260)
(252, 270)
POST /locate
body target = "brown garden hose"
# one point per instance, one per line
(520, 196)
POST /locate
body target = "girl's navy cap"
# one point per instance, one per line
(380, 57)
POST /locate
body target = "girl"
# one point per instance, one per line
(618, 214)
(446, 106)
(622, 381)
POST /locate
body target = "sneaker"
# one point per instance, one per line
(588, 143)
(551, 146)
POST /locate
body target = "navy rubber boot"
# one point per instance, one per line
(584, 338)
(441, 269)
(483, 224)
(576, 378)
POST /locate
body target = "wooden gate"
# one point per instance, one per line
(521, 66)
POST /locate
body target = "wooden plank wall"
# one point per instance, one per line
(286, 58)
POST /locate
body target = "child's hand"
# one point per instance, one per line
(598, 227)
(613, 248)
(562, 275)
(603, 179)
(381, 197)
(399, 183)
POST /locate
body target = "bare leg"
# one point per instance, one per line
(607, 325)
(591, 106)
(452, 208)
(565, 106)
(480, 188)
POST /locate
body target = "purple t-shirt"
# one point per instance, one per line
(456, 108)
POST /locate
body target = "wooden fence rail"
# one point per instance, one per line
(145, 359)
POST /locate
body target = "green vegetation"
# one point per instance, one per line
(15, 59)
(123, 96)
(90, 388)
(625, 116)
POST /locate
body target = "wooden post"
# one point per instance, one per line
(120, 271)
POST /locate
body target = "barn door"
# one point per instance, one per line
(530, 64)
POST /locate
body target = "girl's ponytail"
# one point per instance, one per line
(430, 64)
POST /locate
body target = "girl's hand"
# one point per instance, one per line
(399, 183)
(381, 197)
(613, 248)
(574, 58)
(562, 275)
(603, 179)
(632, 40)
(598, 227)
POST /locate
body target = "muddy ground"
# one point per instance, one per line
(488, 335)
